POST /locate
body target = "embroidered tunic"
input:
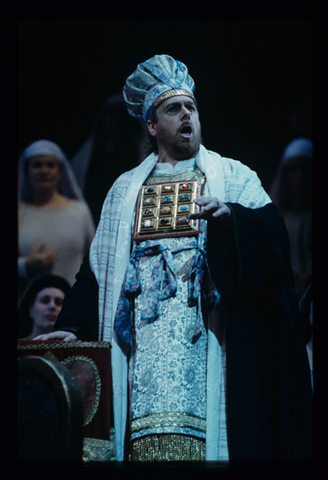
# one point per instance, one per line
(168, 365)
(167, 371)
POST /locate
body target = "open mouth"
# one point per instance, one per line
(186, 131)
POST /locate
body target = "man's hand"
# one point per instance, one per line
(212, 208)
(59, 335)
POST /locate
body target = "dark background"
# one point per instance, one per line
(248, 76)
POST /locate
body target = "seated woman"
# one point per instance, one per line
(55, 227)
(40, 305)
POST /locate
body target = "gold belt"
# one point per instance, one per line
(163, 209)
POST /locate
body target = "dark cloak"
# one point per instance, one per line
(269, 397)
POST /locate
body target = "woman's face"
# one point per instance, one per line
(46, 308)
(43, 172)
(298, 174)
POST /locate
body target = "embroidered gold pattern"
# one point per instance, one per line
(87, 376)
(168, 419)
(97, 450)
(168, 447)
(50, 355)
(173, 93)
(50, 345)
(179, 177)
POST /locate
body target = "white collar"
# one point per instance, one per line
(179, 166)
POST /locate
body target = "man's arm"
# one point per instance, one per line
(252, 256)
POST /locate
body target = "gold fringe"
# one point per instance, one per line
(167, 448)
(96, 450)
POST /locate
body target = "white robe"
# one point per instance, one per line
(226, 179)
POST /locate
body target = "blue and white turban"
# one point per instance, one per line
(153, 81)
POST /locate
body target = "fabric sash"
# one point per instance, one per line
(163, 286)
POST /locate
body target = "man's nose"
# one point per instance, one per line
(185, 112)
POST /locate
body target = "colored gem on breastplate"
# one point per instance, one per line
(184, 197)
(165, 210)
(183, 208)
(182, 221)
(149, 201)
(150, 190)
(166, 199)
(148, 211)
(167, 188)
(185, 186)
(147, 223)
(164, 221)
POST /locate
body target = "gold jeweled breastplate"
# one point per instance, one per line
(164, 206)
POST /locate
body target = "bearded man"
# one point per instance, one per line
(190, 279)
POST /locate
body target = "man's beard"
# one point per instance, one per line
(179, 147)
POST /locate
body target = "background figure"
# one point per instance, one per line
(291, 191)
(111, 149)
(40, 305)
(55, 227)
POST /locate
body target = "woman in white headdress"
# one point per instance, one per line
(55, 227)
(291, 191)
